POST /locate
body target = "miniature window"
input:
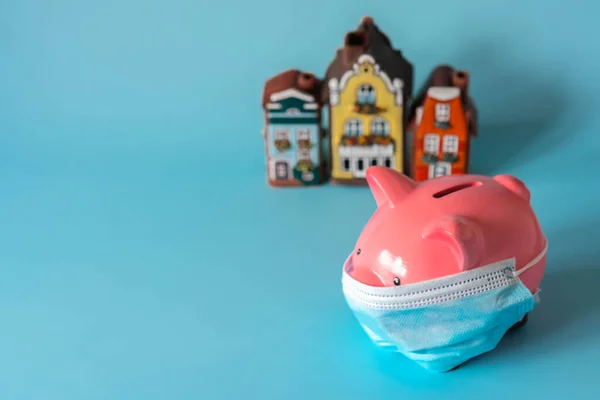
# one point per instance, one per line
(442, 112)
(388, 162)
(303, 134)
(360, 164)
(373, 162)
(431, 143)
(292, 111)
(345, 164)
(450, 144)
(366, 94)
(380, 126)
(353, 127)
(304, 154)
(282, 134)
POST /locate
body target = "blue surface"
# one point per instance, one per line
(143, 256)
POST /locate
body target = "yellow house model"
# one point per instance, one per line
(366, 105)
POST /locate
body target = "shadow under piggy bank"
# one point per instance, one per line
(566, 300)
(568, 297)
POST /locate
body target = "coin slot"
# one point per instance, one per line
(456, 188)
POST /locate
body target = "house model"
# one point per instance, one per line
(443, 119)
(293, 132)
(367, 87)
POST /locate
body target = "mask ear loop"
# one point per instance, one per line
(533, 262)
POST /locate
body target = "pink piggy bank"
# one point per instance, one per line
(464, 252)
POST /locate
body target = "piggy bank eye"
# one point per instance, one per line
(358, 252)
(397, 281)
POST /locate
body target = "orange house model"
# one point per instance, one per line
(443, 124)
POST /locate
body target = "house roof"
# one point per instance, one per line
(445, 76)
(291, 83)
(368, 39)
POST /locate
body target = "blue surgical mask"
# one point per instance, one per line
(444, 322)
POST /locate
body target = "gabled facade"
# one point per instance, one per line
(292, 133)
(367, 87)
(441, 135)
(443, 121)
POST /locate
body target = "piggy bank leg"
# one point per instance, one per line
(521, 323)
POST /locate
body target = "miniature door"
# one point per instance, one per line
(441, 140)
(366, 121)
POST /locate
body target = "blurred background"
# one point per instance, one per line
(143, 256)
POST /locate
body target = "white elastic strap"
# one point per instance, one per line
(534, 261)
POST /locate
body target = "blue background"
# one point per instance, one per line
(142, 255)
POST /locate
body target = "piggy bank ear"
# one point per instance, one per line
(515, 185)
(462, 235)
(388, 186)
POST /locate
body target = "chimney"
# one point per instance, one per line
(305, 82)
(460, 79)
(356, 42)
